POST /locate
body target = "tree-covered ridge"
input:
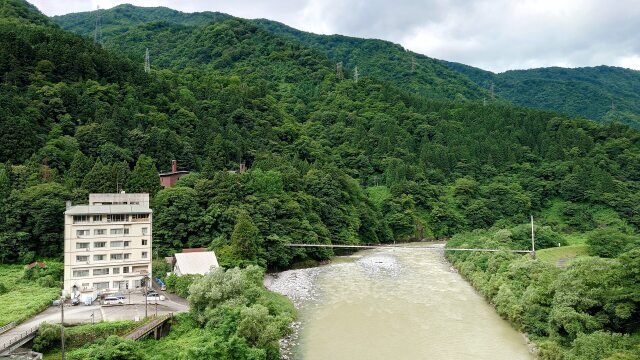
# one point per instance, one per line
(382, 59)
(20, 10)
(330, 160)
(602, 93)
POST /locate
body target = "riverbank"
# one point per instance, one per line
(381, 304)
(297, 285)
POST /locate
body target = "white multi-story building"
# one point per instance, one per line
(107, 244)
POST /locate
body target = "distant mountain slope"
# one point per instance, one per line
(599, 93)
(21, 10)
(382, 59)
(602, 93)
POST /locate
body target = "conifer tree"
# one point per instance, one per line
(245, 237)
(144, 177)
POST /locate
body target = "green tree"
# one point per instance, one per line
(245, 238)
(144, 177)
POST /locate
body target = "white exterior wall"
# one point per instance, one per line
(138, 267)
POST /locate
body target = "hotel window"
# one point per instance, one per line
(125, 270)
(116, 256)
(101, 285)
(145, 231)
(127, 256)
(80, 233)
(80, 273)
(116, 231)
(117, 217)
(100, 232)
(97, 218)
(116, 271)
(99, 258)
(126, 243)
(82, 245)
(136, 217)
(100, 271)
(80, 218)
(144, 242)
(100, 244)
(116, 244)
(81, 258)
(144, 254)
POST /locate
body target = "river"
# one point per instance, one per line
(399, 304)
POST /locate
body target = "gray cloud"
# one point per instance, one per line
(491, 34)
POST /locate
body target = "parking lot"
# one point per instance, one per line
(134, 308)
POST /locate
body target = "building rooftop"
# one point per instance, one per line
(196, 262)
(108, 209)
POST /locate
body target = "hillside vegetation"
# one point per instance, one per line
(603, 93)
(330, 160)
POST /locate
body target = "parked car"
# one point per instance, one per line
(112, 300)
(118, 295)
(75, 301)
(154, 296)
(55, 303)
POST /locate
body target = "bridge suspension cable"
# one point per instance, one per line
(420, 247)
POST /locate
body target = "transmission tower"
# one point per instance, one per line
(356, 74)
(339, 73)
(147, 64)
(413, 64)
(492, 91)
(97, 35)
(613, 106)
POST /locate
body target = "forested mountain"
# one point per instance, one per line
(330, 160)
(382, 59)
(602, 93)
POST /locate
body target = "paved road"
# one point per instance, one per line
(82, 314)
(72, 315)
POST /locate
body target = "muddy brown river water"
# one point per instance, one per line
(401, 304)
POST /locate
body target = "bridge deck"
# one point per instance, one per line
(421, 247)
(148, 327)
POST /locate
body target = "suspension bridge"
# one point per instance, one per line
(415, 247)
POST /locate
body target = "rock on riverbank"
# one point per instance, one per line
(297, 285)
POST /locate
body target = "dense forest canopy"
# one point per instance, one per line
(330, 159)
(603, 93)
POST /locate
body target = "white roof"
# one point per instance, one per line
(196, 262)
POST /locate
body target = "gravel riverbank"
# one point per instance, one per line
(297, 285)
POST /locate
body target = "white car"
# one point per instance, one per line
(112, 300)
(155, 297)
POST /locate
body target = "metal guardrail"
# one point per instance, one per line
(7, 327)
(21, 336)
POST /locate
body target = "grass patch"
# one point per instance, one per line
(23, 299)
(378, 194)
(552, 255)
(76, 337)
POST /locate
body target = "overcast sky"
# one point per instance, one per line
(495, 35)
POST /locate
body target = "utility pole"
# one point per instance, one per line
(62, 325)
(97, 35)
(533, 240)
(356, 74)
(147, 64)
(339, 73)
